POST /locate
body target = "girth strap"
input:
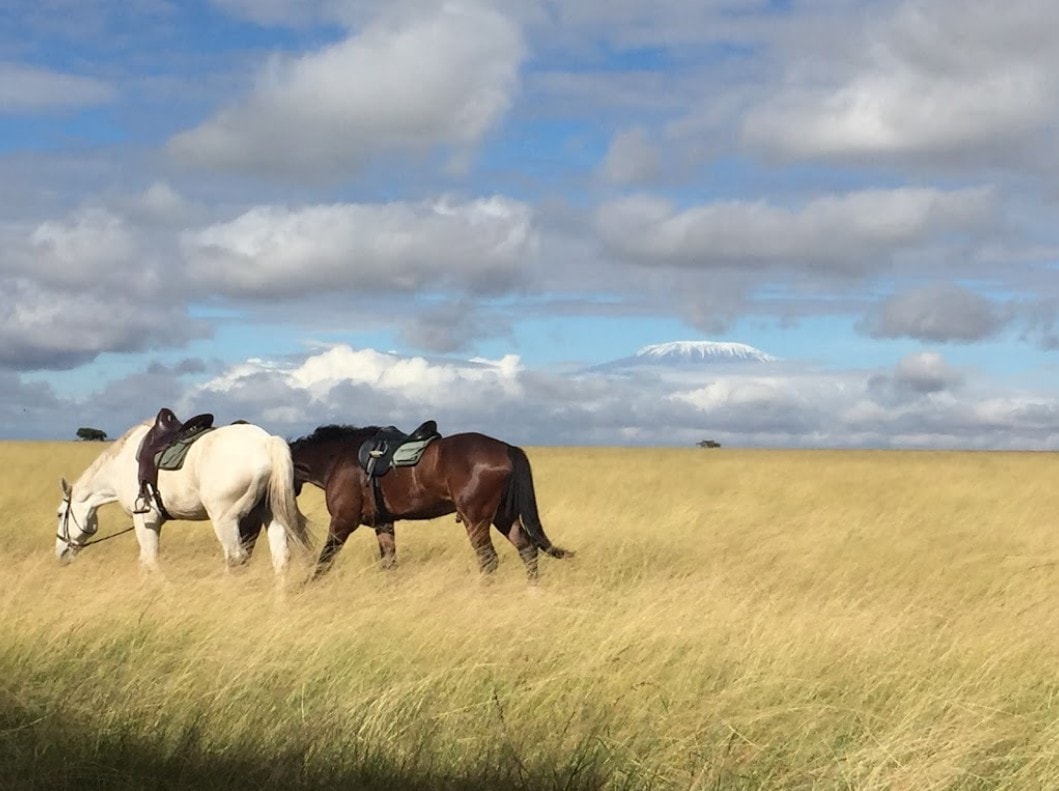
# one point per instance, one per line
(382, 515)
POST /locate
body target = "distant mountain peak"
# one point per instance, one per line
(703, 350)
(689, 354)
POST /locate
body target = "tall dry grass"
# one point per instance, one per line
(733, 619)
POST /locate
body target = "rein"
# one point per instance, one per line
(68, 517)
(104, 538)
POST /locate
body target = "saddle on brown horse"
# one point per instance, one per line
(166, 431)
(383, 449)
(391, 447)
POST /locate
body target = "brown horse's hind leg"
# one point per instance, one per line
(387, 545)
(478, 533)
(527, 550)
(250, 527)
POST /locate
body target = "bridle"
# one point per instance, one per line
(63, 534)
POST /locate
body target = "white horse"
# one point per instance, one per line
(239, 476)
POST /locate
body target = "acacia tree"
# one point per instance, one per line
(91, 434)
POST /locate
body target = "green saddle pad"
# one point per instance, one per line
(408, 454)
(172, 458)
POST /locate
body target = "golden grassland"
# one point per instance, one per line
(732, 619)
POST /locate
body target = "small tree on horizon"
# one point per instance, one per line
(708, 443)
(91, 434)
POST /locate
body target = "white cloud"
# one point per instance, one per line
(83, 249)
(89, 282)
(26, 89)
(917, 377)
(275, 251)
(939, 78)
(406, 83)
(161, 203)
(46, 328)
(432, 385)
(845, 233)
(926, 372)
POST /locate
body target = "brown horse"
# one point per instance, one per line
(482, 480)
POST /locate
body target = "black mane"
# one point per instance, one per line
(335, 432)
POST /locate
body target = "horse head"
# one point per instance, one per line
(77, 522)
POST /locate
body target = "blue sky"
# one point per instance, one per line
(364, 211)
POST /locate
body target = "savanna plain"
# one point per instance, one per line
(732, 619)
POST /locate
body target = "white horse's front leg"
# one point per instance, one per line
(148, 526)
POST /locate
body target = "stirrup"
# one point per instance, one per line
(142, 505)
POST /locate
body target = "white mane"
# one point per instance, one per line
(112, 452)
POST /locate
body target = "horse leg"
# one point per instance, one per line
(345, 503)
(278, 546)
(148, 526)
(387, 545)
(341, 527)
(249, 529)
(478, 533)
(527, 550)
(226, 526)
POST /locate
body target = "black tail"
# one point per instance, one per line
(520, 502)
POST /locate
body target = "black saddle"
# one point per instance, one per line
(376, 455)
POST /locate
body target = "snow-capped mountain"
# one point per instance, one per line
(690, 353)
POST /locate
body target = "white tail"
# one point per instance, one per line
(281, 499)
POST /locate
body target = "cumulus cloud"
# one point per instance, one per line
(411, 377)
(47, 328)
(120, 276)
(845, 233)
(767, 404)
(366, 386)
(86, 283)
(407, 81)
(939, 312)
(80, 250)
(275, 251)
(936, 79)
(26, 89)
(923, 375)
(162, 204)
(926, 372)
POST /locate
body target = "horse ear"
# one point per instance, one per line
(65, 487)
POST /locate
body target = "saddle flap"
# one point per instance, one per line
(374, 454)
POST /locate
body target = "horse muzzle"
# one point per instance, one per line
(64, 552)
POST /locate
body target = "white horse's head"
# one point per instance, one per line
(77, 523)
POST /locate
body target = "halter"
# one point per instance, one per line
(63, 534)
